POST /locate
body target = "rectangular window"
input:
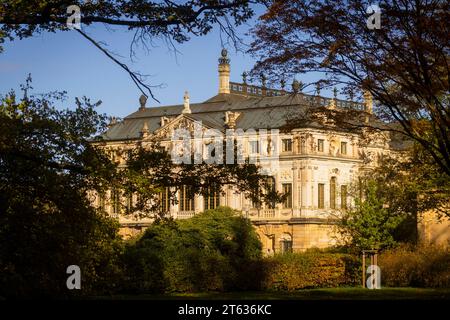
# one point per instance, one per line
(164, 198)
(343, 147)
(344, 197)
(321, 194)
(186, 199)
(101, 201)
(249, 90)
(333, 193)
(254, 147)
(129, 203)
(212, 198)
(286, 145)
(115, 197)
(240, 88)
(320, 143)
(287, 189)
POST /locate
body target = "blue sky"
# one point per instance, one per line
(67, 61)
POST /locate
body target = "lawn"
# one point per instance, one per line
(349, 293)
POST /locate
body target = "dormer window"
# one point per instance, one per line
(343, 147)
(286, 145)
(320, 144)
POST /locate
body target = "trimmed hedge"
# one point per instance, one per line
(422, 266)
(310, 270)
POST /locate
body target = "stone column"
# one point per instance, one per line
(304, 187)
(295, 191)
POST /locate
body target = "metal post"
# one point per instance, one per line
(364, 270)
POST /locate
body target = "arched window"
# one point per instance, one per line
(286, 243)
(320, 197)
(333, 193)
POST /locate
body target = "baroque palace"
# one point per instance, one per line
(315, 166)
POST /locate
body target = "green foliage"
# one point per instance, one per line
(420, 266)
(312, 269)
(175, 20)
(369, 225)
(333, 38)
(412, 183)
(51, 164)
(47, 166)
(208, 252)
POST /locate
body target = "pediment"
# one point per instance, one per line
(182, 121)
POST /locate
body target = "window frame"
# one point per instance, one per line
(320, 145)
(287, 203)
(283, 145)
(321, 196)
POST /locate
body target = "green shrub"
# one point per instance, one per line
(310, 270)
(216, 250)
(421, 266)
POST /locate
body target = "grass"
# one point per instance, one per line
(347, 293)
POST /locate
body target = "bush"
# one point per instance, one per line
(421, 266)
(310, 270)
(216, 250)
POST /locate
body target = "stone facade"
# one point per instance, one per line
(315, 166)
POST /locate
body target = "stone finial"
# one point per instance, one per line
(187, 108)
(351, 94)
(295, 86)
(318, 89)
(368, 102)
(263, 80)
(112, 121)
(333, 102)
(144, 130)
(244, 77)
(224, 57)
(142, 102)
(282, 83)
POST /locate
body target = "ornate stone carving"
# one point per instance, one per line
(230, 119)
(286, 174)
(164, 121)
